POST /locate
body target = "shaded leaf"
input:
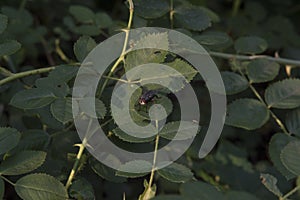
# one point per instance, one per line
(176, 173)
(86, 107)
(140, 168)
(171, 129)
(234, 83)
(9, 47)
(129, 138)
(105, 172)
(168, 197)
(33, 140)
(9, 138)
(183, 68)
(151, 9)
(32, 98)
(270, 182)
(292, 121)
(81, 13)
(62, 109)
(262, 70)
(200, 190)
(290, 157)
(82, 189)
(277, 143)
(283, 94)
(83, 46)
(22, 162)
(63, 73)
(214, 40)
(40, 186)
(59, 89)
(245, 113)
(193, 18)
(3, 22)
(250, 45)
(2, 189)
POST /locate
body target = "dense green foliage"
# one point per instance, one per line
(255, 44)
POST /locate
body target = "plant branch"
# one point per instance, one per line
(248, 58)
(148, 191)
(7, 180)
(60, 52)
(278, 121)
(290, 193)
(24, 74)
(123, 53)
(171, 14)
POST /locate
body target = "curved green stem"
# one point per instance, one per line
(7, 180)
(290, 193)
(24, 74)
(248, 58)
(171, 14)
(121, 57)
(278, 121)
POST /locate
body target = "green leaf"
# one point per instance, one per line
(248, 114)
(83, 46)
(103, 20)
(214, 40)
(239, 195)
(277, 143)
(106, 172)
(2, 188)
(40, 186)
(171, 129)
(193, 18)
(200, 190)
(81, 13)
(3, 22)
(183, 68)
(82, 189)
(33, 140)
(128, 138)
(22, 162)
(151, 9)
(63, 73)
(90, 30)
(290, 157)
(176, 173)
(85, 106)
(283, 94)
(32, 98)
(9, 47)
(59, 89)
(292, 121)
(61, 109)
(270, 182)
(250, 45)
(168, 197)
(234, 83)
(140, 168)
(9, 138)
(262, 70)
(144, 55)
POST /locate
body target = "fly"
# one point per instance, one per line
(147, 97)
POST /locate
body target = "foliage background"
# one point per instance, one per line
(258, 155)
